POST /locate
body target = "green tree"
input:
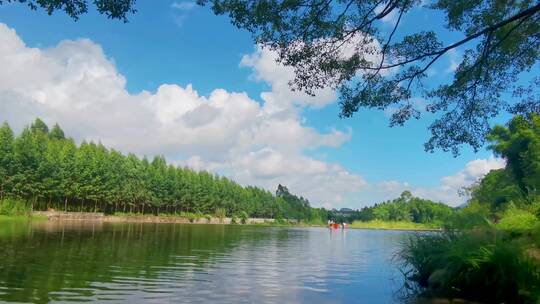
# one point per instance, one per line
(340, 44)
(496, 189)
(51, 171)
(406, 208)
(113, 9)
(27, 160)
(68, 174)
(519, 144)
(7, 161)
(38, 126)
(57, 132)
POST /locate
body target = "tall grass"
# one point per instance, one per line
(484, 265)
(394, 225)
(14, 207)
(517, 219)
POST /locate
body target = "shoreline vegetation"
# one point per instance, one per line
(489, 250)
(394, 225)
(207, 219)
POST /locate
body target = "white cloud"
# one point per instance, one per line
(75, 84)
(454, 58)
(181, 9)
(263, 62)
(266, 69)
(447, 190)
(184, 5)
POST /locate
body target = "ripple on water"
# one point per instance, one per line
(200, 264)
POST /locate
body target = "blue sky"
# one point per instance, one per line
(353, 162)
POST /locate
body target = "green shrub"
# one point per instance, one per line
(220, 213)
(484, 265)
(13, 207)
(405, 225)
(475, 215)
(517, 219)
(243, 217)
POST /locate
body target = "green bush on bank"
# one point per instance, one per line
(517, 219)
(220, 213)
(486, 265)
(405, 225)
(14, 207)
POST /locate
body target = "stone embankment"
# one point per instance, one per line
(96, 216)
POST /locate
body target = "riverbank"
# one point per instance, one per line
(394, 225)
(140, 218)
(206, 219)
(22, 218)
(178, 219)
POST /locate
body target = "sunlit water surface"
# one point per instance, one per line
(162, 263)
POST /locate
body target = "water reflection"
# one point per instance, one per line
(156, 263)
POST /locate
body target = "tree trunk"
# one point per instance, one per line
(65, 204)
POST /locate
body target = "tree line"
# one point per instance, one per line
(500, 194)
(406, 208)
(49, 170)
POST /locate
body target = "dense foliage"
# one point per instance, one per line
(49, 170)
(498, 260)
(113, 9)
(406, 208)
(343, 44)
(299, 208)
(518, 184)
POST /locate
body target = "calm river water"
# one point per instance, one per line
(162, 263)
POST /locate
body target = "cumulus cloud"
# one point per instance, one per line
(75, 84)
(447, 190)
(266, 69)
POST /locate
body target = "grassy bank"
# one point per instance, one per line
(16, 210)
(21, 217)
(393, 225)
(488, 265)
